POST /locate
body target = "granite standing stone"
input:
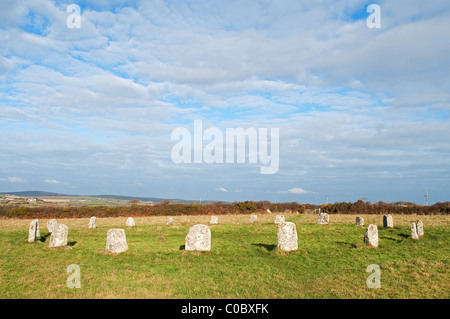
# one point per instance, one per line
(323, 219)
(169, 221)
(51, 224)
(419, 228)
(130, 222)
(371, 235)
(359, 221)
(32, 231)
(116, 241)
(214, 220)
(388, 221)
(279, 219)
(38, 233)
(93, 222)
(253, 218)
(198, 238)
(59, 236)
(287, 236)
(414, 231)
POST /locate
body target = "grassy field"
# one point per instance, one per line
(244, 262)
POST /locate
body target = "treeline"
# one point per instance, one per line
(247, 207)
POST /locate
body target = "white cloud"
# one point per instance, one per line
(296, 190)
(221, 189)
(52, 181)
(13, 180)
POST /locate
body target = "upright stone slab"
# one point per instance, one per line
(388, 221)
(287, 236)
(419, 228)
(51, 224)
(116, 241)
(323, 219)
(93, 222)
(198, 238)
(169, 221)
(59, 236)
(268, 211)
(253, 218)
(38, 233)
(359, 221)
(33, 231)
(130, 222)
(279, 219)
(214, 220)
(371, 235)
(414, 231)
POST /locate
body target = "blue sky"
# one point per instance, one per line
(362, 113)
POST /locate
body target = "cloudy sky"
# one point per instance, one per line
(361, 112)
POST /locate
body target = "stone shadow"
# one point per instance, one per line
(266, 246)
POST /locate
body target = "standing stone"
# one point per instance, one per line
(51, 224)
(198, 238)
(279, 219)
(130, 222)
(323, 219)
(287, 236)
(359, 221)
(59, 236)
(414, 231)
(33, 230)
(268, 211)
(371, 235)
(116, 241)
(253, 218)
(169, 221)
(214, 220)
(93, 222)
(419, 228)
(388, 221)
(38, 233)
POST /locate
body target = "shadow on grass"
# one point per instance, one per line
(183, 247)
(266, 246)
(350, 245)
(71, 243)
(43, 238)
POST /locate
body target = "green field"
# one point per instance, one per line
(244, 262)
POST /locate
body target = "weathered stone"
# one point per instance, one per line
(279, 219)
(419, 228)
(414, 231)
(214, 220)
(287, 236)
(93, 222)
(33, 231)
(130, 222)
(59, 236)
(169, 221)
(198, 238)
(388, 221)
(371, 235)
(268, 211)
(38, 233)
(323, 219)
(253, 218)
(116, 241)
(51, 224)
(359, 221)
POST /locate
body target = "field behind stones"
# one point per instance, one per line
(244, 262)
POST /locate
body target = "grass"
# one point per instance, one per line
(244, 262)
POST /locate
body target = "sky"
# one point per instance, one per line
(91, 104)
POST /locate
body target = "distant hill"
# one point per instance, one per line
(32, 194)
(120, 197)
